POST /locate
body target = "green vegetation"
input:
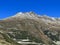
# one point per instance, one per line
(8, 39)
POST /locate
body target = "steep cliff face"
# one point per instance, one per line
(37, 27)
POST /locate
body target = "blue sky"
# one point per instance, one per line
(43, 7)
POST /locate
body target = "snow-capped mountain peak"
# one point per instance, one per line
(32, 15)
(29, 15)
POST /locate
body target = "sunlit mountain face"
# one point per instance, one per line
(30, 28)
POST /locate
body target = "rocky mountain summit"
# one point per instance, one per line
(40, 29)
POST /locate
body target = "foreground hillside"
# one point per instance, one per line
(40, 29)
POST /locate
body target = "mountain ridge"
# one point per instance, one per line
(34, 24)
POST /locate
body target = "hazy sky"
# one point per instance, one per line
(44, 7)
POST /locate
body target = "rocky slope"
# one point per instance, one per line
(41, 29)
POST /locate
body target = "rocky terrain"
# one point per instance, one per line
(40, 29)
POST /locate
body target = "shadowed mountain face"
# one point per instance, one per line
(40, 29)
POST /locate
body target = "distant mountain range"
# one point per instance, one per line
(40, 29)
